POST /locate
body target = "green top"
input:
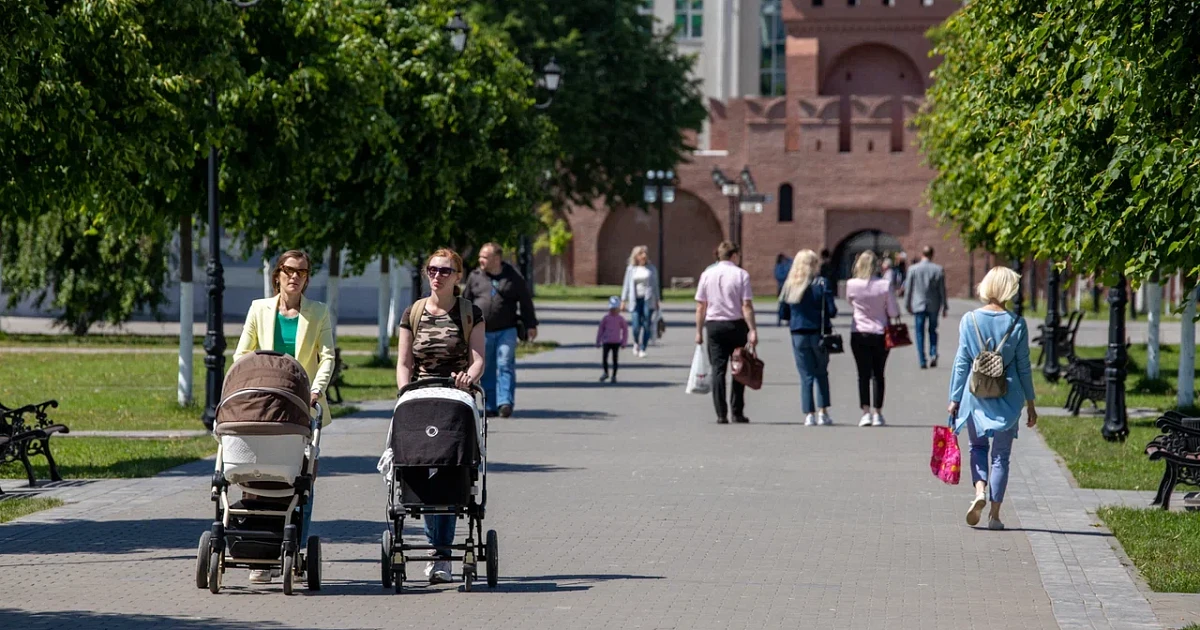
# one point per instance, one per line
(285, 333)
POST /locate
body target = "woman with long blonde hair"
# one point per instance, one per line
(639, 293)
(809, 301)
(874, 304)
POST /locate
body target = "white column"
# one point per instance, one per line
(186, 341)
(331, 292)
(385, 300)
(1153, 314)
(1079, 292)
(267, 290)
(1187, 353)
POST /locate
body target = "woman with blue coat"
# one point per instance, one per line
(992, 422)
(810, 315)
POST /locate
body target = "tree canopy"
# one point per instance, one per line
(1070, 131)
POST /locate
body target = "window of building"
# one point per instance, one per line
(852, 3)
(689, 18)
(926, 3)
(785, 203)
(773, 43)
(818, 3)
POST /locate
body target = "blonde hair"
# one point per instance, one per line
(804, 269)
(999, 285)
(864, 265)
(639, 249)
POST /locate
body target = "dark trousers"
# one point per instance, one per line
(613, 348)
(723, 339)
(870, 355)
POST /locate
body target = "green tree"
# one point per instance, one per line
(555, 237)
(626, 99)
(1070, 131)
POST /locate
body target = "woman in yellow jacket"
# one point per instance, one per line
(297, 327)
(292, 325)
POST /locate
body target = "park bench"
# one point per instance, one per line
(25, 432)
(1064, 337)
(1086, 377)
(1178, 446)
(334, 394)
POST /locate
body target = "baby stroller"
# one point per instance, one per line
(436, 463)
(269, 446)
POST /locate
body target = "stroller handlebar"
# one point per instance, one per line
(435, 381)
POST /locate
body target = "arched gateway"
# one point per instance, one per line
(691, 233)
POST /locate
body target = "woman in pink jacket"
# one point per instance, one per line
(874, 305)
(612, 335)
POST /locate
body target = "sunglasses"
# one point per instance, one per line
(444, 272)
(293, 271)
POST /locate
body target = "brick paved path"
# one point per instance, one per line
(620, 506)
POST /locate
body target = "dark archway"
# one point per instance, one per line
(844, 254)
(873, 69)
(692, 232)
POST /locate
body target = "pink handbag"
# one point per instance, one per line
(946, 462)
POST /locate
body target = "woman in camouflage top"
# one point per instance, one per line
(439, 348)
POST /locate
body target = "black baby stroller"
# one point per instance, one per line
(436, 464)
(269, 446)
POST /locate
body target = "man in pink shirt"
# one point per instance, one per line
(725, 308)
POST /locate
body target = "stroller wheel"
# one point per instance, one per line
(289, 574)
(493, 558)
(399, 580)
(314, 563)
(202, 560)
(468, 578)
(214, 572)
(385, 558)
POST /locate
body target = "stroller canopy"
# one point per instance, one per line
(265, 393)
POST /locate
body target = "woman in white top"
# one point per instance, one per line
(639, 294)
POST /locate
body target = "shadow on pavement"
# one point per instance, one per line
(102, 537)
(83, 619)
(560, 414)
(338, 465)
(596, 384)
(1056, 531)
(502, 467)
(626, 364)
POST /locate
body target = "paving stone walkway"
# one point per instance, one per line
(625, 506)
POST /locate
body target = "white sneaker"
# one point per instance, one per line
(642, 353)
(976, 510)
(810, 421)
(261, 576)
(865, 421)
(438, 572)
(995, 524)
(877, 420)
(824, 419)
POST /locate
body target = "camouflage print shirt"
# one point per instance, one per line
(439, 348)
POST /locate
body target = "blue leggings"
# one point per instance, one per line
(994, 472)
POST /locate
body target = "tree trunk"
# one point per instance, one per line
(1153, 315)
(394, 311)
(381, 350)
(187, 313)
(331, 288)
(1187, 350)
(268, 290)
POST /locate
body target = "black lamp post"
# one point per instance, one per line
(551, 79)
(1050, 335)
(1116, 427)
(732, 192)
(214, 338)
(660, 189)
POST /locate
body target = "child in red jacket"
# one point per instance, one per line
(612, 335)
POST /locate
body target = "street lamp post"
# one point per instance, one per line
(733, 193)
(1019, 298)
(214, 337)
(1051, 368)
(551, 79)
(1116, 427)
(660, 189)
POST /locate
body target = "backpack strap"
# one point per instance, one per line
(1011, 327)
(414, 315)
(978, 335)
(466, 314)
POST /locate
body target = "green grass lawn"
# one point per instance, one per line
(150, 342)
(1139, 391)
(1096, 463)
(107, 458)
(16, 507)
(1164, 546)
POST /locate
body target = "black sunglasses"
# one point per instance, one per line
(291, 271)
(444, 272)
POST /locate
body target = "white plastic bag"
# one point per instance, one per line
(700, 378)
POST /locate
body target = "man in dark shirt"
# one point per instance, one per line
(503, 296)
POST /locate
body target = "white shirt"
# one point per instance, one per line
(641, 281)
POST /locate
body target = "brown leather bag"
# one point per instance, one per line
(746, 367)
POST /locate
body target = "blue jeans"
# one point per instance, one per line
(813, 364)
(1001, 447)
(643, 321)
(439, 530)
(923, 320)
(500, 368)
